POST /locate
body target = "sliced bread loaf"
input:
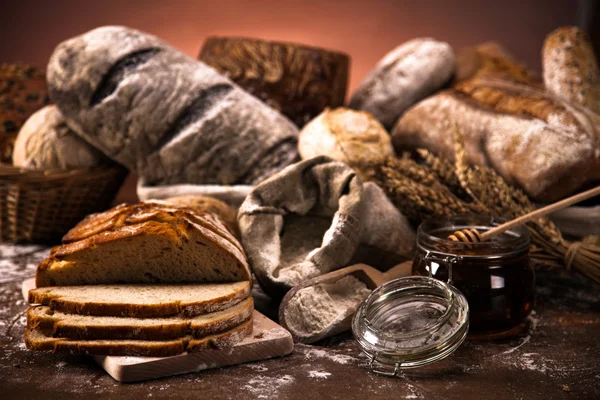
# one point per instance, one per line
(145, 243)
(35, 339)
(73, 326)
(141, 301)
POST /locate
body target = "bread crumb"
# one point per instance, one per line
(318, 374)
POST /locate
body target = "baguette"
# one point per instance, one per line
(571, 67)
(37, 340)
(83, 327)
(141, 301)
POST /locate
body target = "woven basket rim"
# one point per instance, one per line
(15, 174)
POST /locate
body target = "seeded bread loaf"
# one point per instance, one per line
(571, 67)
(84, 327)
(145, 243)
(142, 300)
(298, 81)
(545, 145)
(407, 74)
(159, 112)
(45, 141)
(37, 340)
(22, 91)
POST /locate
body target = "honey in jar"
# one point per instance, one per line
(495, 276)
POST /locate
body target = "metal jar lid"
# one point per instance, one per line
(410, 322)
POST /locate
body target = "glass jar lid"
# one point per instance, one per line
(410, 322)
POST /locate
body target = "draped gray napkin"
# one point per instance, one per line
(317, 216)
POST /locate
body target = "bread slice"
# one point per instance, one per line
(85, 327)
(141, 301)
(37, 340)
(145, 243)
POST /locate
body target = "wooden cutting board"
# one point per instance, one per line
(267, 340)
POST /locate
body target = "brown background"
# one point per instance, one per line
(366, 30)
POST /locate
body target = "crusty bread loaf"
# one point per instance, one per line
(298, 81)
(546, 145)
(145, 243)
(205, 204)
(159, 112)
(405, 75)
(45, 141)
(84, 327)
(353, 137)
(491, 60)
(22, 92)
(142, 300)
(37, 340)
(571, 67)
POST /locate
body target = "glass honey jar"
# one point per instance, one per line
(495, 276)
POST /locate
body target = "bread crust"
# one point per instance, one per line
(144, 219)
(155, 310)
(36, 340)
(514, 128)
(117, 328)
(571, 68)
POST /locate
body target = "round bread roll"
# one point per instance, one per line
(404, 76)
(204, 204)
(46, 142)
(353, 137)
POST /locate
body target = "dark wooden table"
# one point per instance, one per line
(557, 358)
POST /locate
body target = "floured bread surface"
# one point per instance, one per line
(324, 309)
(407, 74)
(73, 326)
(141, 301)
(37, 340)
(145, 243)
(571, 67)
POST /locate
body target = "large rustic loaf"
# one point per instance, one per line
(145, 243)
(170, 118)
(37, 340)
(142, 300)
(299, 81)
(353, 137)
(571, 67)
(491, 60)
(22, 92)
(205, 204)
(533, 139)
(84, 327)
(46, 141)
(407, 74)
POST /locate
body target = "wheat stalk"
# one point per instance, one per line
(440, 188)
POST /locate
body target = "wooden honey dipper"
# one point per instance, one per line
(473, 236)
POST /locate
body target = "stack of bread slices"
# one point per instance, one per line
(149, 279)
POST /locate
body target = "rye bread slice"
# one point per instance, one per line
(145, 243)
(141, 301)
(37, 340)
(84, 327)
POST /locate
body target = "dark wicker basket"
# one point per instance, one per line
(40, 206)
